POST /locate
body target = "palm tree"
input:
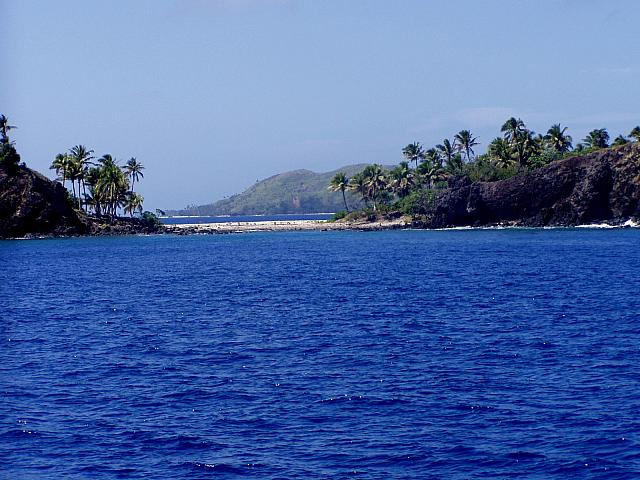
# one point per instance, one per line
(620, 140)
(512, 128)
(558, 139)
(107, 160)
(112, 185)
(81, 156)
(454, 165)
(133, 169)
(433, 156)
(133, 203)
(500, 152)
(375, 181)
(358, 184)
(403, 179)
(430, 171)
(413, 152)
(447, 150)
(339, 183)
(598, 138)
(635, 133)
(94, 200)
(466, 141)
(61, 165)
(4, 128)
(74, 172)
(525, 146)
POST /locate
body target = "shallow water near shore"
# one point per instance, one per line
(391, 354)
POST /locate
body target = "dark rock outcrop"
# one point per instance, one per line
(603, 186)
(31, 204)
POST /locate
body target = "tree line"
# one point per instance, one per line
(101, 187)
(517, 150)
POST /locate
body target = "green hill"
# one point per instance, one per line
(297, 191)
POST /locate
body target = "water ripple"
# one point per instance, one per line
(470, 354)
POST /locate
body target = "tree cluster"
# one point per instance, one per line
(9, 157)
(101, 187)
(516, 151)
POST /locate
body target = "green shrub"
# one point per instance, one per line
(9, 157)
(150, 219)
(418, 202)
(339, 215)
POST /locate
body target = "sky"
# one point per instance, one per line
(212, 95)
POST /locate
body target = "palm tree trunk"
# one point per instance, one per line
(374, 199)
(345, 201)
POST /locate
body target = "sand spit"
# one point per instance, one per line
(282, 226)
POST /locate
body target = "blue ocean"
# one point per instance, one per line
(370, 355)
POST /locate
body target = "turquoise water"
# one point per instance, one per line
(401, 354)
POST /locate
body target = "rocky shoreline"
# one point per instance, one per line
(32, 206)
(124, 227)
(326, 226)
(600, 188)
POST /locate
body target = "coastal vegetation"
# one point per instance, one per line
(293, 192)
(9, 157)
(101, 187)
(90, 198)
(413, 185)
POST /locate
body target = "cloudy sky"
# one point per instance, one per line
(212, 95)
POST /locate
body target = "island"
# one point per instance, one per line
(31, 205)
(523, 179)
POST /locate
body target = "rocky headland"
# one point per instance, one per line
(31, 205)
(601, 187)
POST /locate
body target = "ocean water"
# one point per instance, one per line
(404, 354)
(245, 218)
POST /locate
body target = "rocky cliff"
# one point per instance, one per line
(33, 205)
(603, 186)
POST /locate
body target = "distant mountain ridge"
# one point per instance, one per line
(295, 191)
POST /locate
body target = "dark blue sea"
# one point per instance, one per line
(374, 355)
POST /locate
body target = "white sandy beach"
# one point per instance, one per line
(325, 225)
(281, 225)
